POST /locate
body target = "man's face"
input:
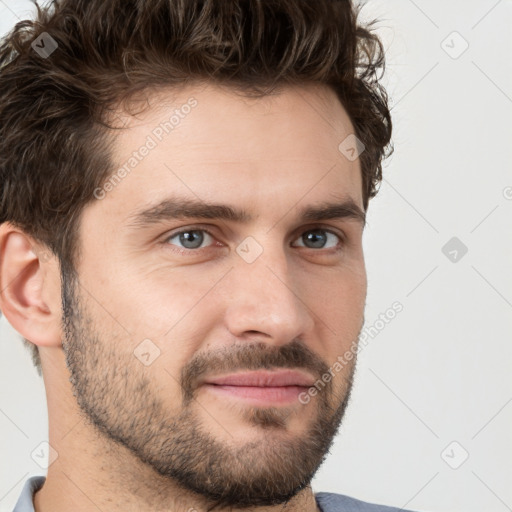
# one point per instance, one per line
(164, 305)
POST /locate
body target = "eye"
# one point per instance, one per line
(190, 238)
(319, 239)
(194, 239)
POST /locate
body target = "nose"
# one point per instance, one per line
(266, 302)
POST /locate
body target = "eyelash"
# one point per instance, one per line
(186, 251)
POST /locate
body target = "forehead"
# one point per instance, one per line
(212, 143)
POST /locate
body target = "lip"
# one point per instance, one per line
(262, 396)
(261, 388)
(264, 379)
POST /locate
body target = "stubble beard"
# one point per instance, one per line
(116, 397)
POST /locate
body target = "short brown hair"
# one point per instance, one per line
(54, 109)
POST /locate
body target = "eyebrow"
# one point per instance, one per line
(182, 208)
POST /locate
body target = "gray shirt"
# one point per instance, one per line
(326, 501)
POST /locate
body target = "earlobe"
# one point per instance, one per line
(29, 287)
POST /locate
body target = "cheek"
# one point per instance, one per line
(338, 290)
(180, 311)
(154, 301)
(342, 307)
(337, 300)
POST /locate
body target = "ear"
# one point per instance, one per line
(30, 287)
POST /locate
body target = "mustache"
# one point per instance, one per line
(254, 356)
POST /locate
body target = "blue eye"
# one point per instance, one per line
(318, 238)
(191, 239)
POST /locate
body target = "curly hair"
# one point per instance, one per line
(55, 108)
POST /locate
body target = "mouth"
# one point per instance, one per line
(263, 388)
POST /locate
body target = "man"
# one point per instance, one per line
(184, 188)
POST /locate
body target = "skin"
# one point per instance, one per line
(270, 156)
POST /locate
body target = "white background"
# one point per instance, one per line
(440, 371)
